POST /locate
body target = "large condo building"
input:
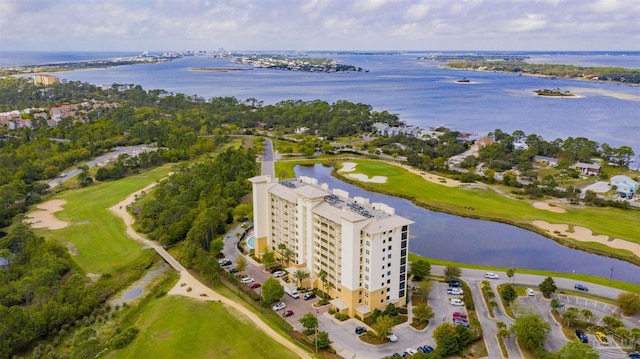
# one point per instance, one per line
(359, 248)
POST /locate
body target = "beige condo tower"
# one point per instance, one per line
(362, 247)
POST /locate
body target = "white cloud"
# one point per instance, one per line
(528, 23)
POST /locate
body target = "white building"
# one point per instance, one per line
(362, 247)
(624, 185)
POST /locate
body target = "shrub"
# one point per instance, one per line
(341, 316)
(123, 338)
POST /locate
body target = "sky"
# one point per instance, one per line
(235, 25)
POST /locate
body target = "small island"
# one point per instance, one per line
(553, 93)
(300, 63)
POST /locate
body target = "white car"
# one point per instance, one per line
(454, 291)
(530, 292)
(247, 280)
(393, 338)
(491, 275)
(411, 351)
(279, 306)
(457, 301)
(279, 274)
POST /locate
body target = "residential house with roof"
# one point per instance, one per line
(547, 161)
(624, 185)
(588, 169)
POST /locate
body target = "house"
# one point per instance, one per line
(625, 186)
(481, 143)
(547, 161)
(520, 146)
(588, 169)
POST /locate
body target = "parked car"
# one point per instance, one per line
(454, 291)
(602, 338)
(393, 338)
(361, 330)
(233, 270)
(634, 355)
(530, 292)
(455, 284)
(581, 287)
(309, 295)
(426, 349)
(275, 269)
(461, 322)
(582, 336)
(279, 306)
(491, 275)
(411, 351)
(279, 274)
(247, 280)
(255, 285)
(287, 313)
(224, 262)
(460, 315)
(457, 301)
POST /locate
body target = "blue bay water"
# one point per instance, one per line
(421, 92)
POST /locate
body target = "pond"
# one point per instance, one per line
(465, 240)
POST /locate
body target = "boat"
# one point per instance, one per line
(464, 80)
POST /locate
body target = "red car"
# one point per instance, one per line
(255, 285)
(287, 313)
(459, 315)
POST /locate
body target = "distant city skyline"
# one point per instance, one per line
(158, 25)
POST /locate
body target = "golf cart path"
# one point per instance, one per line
(188, 285)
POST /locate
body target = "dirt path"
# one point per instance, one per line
(188, 285)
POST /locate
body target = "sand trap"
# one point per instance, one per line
(586, 235)
(348, 167)
(548, 207)
(364, 178)
(44, 217)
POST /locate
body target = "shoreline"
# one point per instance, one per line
(215, 69)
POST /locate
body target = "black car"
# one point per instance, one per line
(634, 355)
(455, 284)
(582, 336)
(309, 295)
(233, 270)
(361, 330)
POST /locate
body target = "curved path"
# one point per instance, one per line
(197, 290)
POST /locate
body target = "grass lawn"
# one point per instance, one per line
(179, 327)
(96, 235)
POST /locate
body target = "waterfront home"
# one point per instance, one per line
(625, 186)
(520, 146)
(481, 143)
(588, 169)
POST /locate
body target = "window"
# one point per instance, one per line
(368, 243)
(401, 294)
(366, 277)
(366, 286)
(389, 248)
(387, 297)
(388, 272)
(367, 252)
(389, 256)
(366, 303)
(366, 295)
(388, 281)
(402, 285)
(390, 238)
(388, 265)
(404, 236)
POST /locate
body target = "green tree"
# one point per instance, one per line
(322, 340)
(288, 254)
(420, 269)
(547, 287)
(300, 275)
(611, 322)
(451, 273)
(423, 312)
(531, 330)
(586, 314)
(268, 258)
(629, 303)
(635, 336)
(570, 314)
(556, 304)
(241, 264)
(511, 273)
(383, 326)
(272, 291)
(508, 294)
(447, 340)
(309, 321)
(322, 275)
(424, 288)
(577, 350)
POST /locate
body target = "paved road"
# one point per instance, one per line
(268, 158)
(117, 151)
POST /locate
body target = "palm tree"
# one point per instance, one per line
(281, 248)
(322, 275)
(587, 315)
(288, 254)
(299, 275)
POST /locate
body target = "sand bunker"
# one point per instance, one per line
(44, 217)
(586, 235)
(348, 167)
(365, 178)
(548, 207)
